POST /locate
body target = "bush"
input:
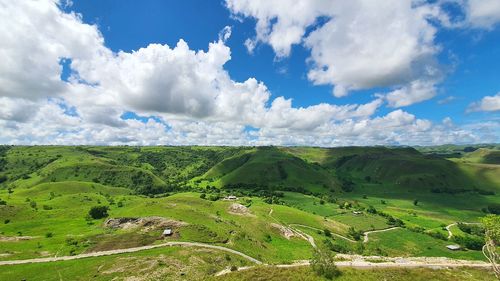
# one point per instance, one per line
(470, 242)
(3, 202)
(438, 235)
(355, 234)
(494, 209)
(339, 248)
(471, 229)
(203, 196)
(327, 232)
(98, 212)
(233, 268)
(323, 264)
(49, 234)
(6, 221)
(371, 210)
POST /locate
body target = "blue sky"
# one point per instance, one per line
(465, 54)
(471, 56)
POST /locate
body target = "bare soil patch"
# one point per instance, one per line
(146, 224)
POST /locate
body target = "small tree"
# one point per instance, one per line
(492, 227)
(98, 212)
(355, 234)
(415, 202)
(323, 263)
(327, 232)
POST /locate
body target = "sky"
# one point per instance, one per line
(250, 72)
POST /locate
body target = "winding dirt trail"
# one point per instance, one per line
(365, 262)
(365, 234)
(129, 250)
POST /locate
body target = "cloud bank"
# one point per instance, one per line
(162, 94)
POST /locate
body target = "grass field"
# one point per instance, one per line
(171, 263)
(306, 274)
(46, 193)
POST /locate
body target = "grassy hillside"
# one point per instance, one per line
(270, 167)
(484, 156)
(152, 170)
(333, 195)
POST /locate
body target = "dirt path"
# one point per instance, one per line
(129, 250)
(365, 262)
(365, 239)
(450, 234)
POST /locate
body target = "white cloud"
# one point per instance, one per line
(193, 98)
(34, 36)
(483, 13)
(279, 23)
(415, 92)
(363, 44)
(488, 103)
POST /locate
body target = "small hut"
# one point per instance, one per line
(167, 232)
(453, 247)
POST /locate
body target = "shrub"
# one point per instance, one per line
(470, 242)
(98, 212)
(494, 209)
(327, 232)
(471, 229)
(339, 248)
(6, 221)
(213, 197)
(49, 234)
(233, 268)
(203, 196)
(323, 264)
(438, 235)
(355, 234)
(3, 202)
(371, 210)
(46, 207)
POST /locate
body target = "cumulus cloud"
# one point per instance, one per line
(415, 92)
(363, 44)
(483, 13)
(488, 103)
(191, 96)
(34, 37)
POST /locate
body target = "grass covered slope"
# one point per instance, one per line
(46, 194)
(405, 167)
(270, 167)
(484, 156)
(145, 170)
(306, 274)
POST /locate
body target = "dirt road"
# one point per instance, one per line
(365, 239)
(129, 250)
(365, 262)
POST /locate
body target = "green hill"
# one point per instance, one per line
(483, 155)
(404, 167)
(151, 170)
(270, 167)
